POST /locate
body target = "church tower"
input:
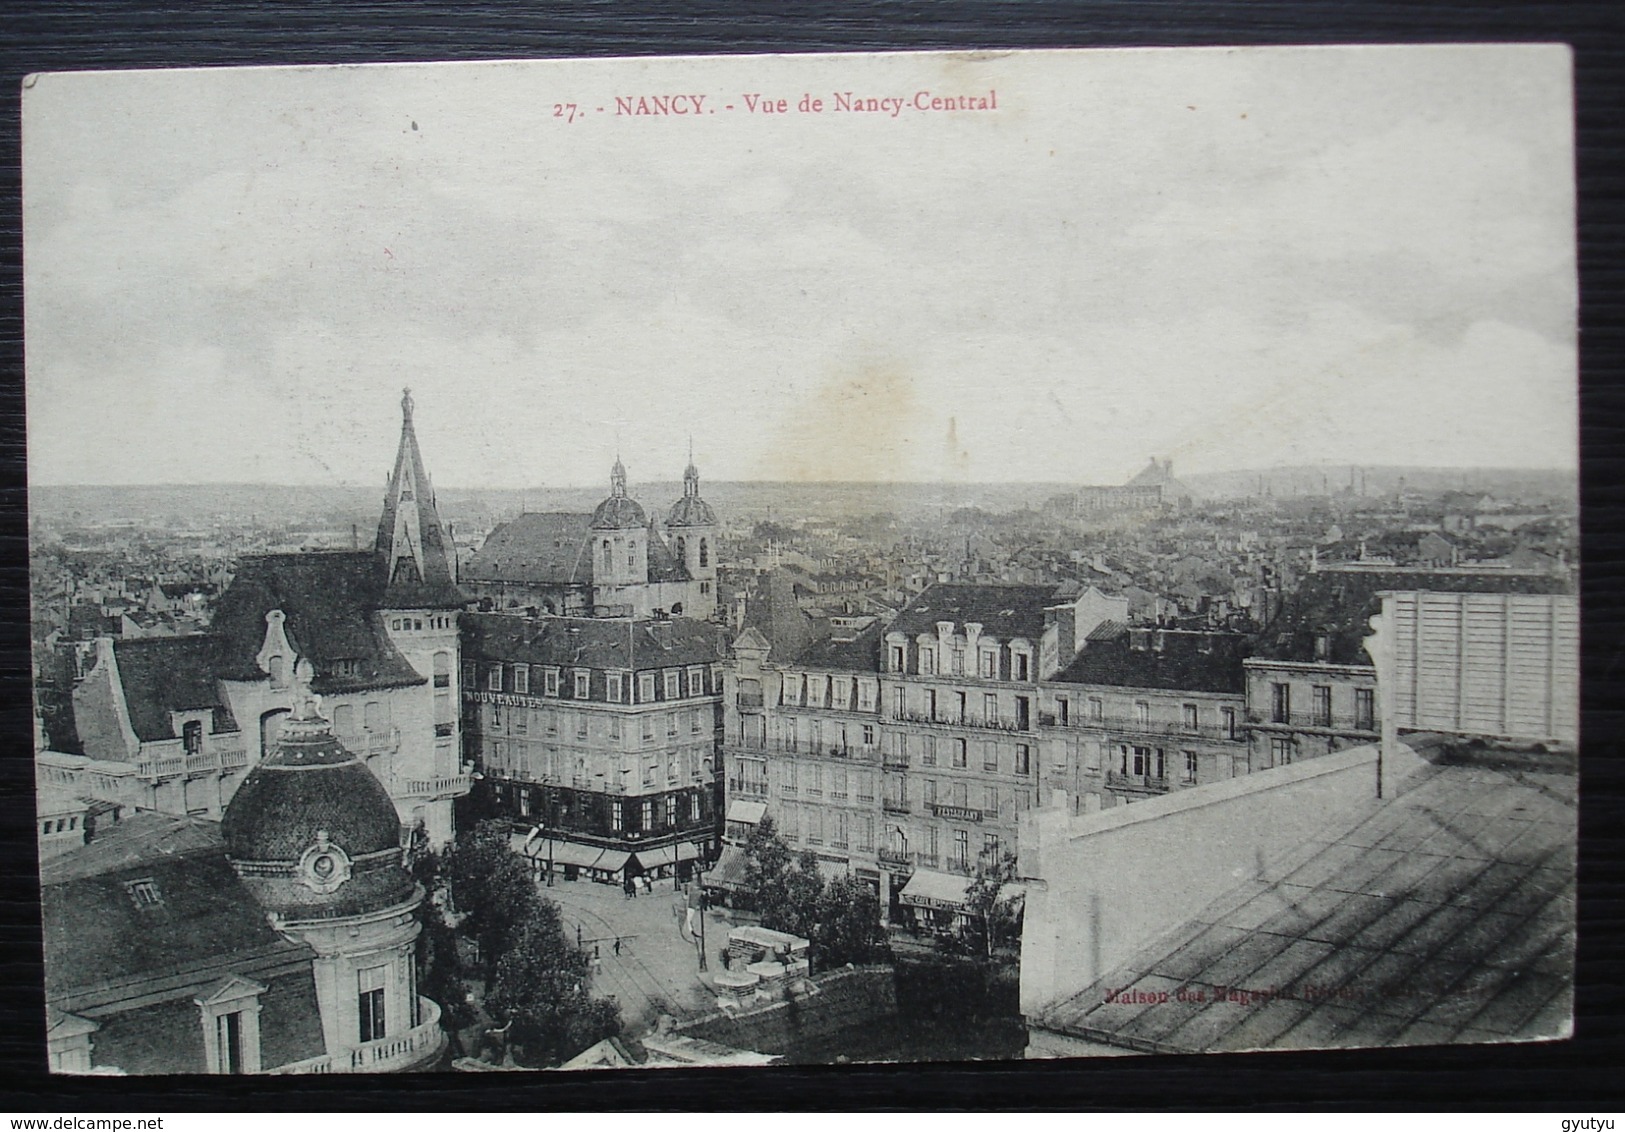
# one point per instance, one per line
(691, 528)
(620, 551)
(416, 565)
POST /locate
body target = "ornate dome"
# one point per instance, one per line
(618, 512)
(312, 831)
(691, 511)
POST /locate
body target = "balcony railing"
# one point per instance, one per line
(1134, 725)
(384, 1055)
(1146, 783)
(966, 720)
(956, 813)
(750, 700)
(171, 760)
(445, 786)
(895, 806)
(750, 787)
(894, 762)
(1309, 720)
(895, 856)
(811, 750)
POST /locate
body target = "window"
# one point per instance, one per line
(1192, 719)
(929, 757)
(990, 801)
(615, 727)
(442, 671)
(1323, 706)
(648, 814)
(648, 728)
(928, 662)
(1188, 772)
(550, 682)
(866, 696)
(696, 681)
(1063, 710)
(1365, 709)
(815, 780)
(144, 893)
(837, 782)
(613, 686)
(1228, 717)
(896, 658)
(674, 684)
(370, 1000)
(617, 821)
(866, 833)
(671, 724)
(990, 707)
(696, 722)
(961, 759)
(930, 792)
(1142, 714)
(694, 806)
(931, 703)
(1097, 709)
(229, 1042)
(1024, 800)
(671, 810)
(581, 724)
(1280, 751)
(520, 718)
(583, 684)
(521, 679)
(868, 735)
(705, 552)
(959, 707)
(646, 687)
(469, 670)
(961, 848)
(1022, 663)
(787, 779)
(192, 737)
(609, 558)
(990, 757)
(990, 846)
(957, 660)
(987, 664)
(1281, 703)
(493, 679)
(1024, 759)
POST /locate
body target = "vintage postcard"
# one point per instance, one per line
(803, 559)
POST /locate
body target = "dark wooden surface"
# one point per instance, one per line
(1580, 1077)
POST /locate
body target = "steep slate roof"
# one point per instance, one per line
(1180, 664)
(1002, 611)
(538, 546)
(436, 587)
(1342, 603)
(161, 675)
(330, 598)
(587, 642)
(852, 654)
(779, 617)
(664, 566)
(1446, 915)
(102, 947)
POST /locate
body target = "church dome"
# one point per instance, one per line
(691, 511)
(619, 512)
(312, 831)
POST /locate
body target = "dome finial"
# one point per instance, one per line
(406, 405)
(307, 705)
(617, 478)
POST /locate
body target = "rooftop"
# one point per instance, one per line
(1002, 611)
(1444, 915)
(1192, 662)
(591, 642)
(163, 675)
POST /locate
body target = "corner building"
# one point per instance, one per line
(597, 738)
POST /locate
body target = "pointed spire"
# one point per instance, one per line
(412, 547)
(617, 479)
(691, 475)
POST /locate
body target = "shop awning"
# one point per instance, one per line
(832, 870)
(926, 889)
(613, 861)
(654, 858)
(729, 871)
(566, 853)
(688, 851)
(750, 813)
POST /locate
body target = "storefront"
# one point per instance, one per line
(570, 860)
(935, 900)
(668, 860)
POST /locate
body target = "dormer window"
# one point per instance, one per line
(192, 737)
(144, 893)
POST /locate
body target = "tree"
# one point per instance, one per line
(992, 916)
(848, 928)
(541, 988)
(491, 887)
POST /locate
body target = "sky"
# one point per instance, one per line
(1231, 258)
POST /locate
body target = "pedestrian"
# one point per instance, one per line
(617, 945)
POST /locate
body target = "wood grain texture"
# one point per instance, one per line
(101, 34)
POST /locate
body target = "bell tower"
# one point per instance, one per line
(691, 528)
(414, 554)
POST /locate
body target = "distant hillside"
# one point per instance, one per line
(1514, 483)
